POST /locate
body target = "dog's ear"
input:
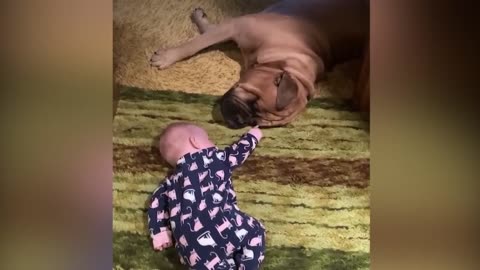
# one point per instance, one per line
(287, 90)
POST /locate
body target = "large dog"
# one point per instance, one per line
(286, 48)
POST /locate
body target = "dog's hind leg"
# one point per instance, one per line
(199, 18)
(213, 34)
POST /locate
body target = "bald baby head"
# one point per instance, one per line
(181, 138)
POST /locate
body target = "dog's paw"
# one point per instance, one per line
(163, 58)
(200, 19)
(199, 13)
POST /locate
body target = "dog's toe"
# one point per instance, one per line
(199, 13)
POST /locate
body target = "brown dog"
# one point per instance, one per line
(285, 49)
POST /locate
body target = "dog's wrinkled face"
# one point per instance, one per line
(264, 96)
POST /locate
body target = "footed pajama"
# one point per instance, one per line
(198, 204)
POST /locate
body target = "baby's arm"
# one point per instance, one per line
(158, 218)
(238, 152)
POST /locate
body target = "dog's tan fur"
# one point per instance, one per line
(286, 49)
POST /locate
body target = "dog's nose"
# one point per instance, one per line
(241, 122)
(231, 125)
(234, 124)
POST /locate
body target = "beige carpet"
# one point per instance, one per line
(142, 26)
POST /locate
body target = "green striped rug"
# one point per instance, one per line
(307, 182)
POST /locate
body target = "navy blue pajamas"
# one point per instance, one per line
(198, 204)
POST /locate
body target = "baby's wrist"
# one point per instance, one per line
(164, 232)
(163, 229)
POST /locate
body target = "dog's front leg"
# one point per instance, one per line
(163, 58)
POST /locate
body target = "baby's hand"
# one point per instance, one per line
(255, 131)
(162, 240)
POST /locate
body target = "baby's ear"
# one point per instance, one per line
(195, 143)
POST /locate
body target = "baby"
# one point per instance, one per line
(197, 204)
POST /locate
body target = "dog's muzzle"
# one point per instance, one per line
(234, 112)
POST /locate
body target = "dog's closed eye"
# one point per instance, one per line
(278, 79)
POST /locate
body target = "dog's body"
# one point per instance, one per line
(286, 48)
